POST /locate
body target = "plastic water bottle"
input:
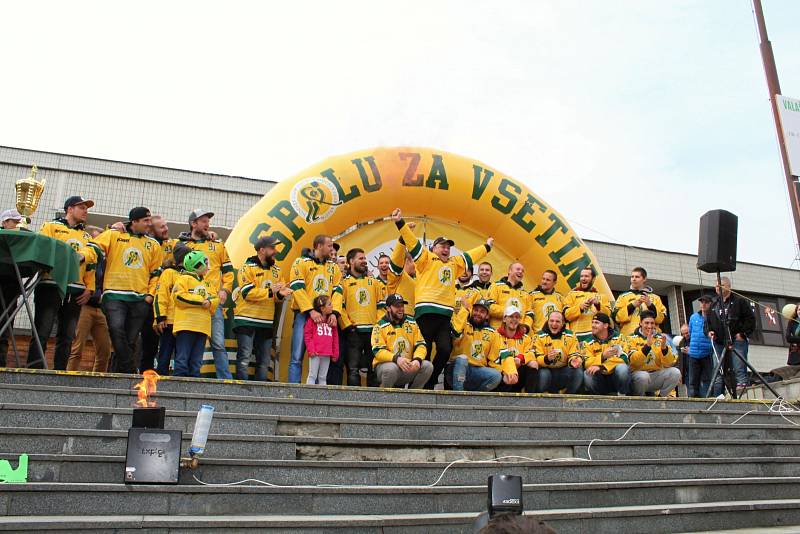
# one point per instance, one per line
(201, 427)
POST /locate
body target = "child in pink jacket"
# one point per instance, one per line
(322, 342)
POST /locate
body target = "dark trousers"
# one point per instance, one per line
(11, 293)
(435, 329)
(336, 368)
(149, 343)
(359, 356)
(528, 379)
(49, 309)
(166, 348)
(698, 375)
(125, 320)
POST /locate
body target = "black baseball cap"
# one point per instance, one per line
(482, 303)
(602, 317)
(266, 241)
(138, 213)
(77, 199)
(395, 298)
(705, 298)
(442, 239)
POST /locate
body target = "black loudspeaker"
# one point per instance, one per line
(717, 249)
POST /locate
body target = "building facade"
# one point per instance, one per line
(173, 193)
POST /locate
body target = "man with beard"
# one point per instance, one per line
(435, 290)
(313, 274)
(219, 277)
(605, 358)
(559, 357)
(583, 303)
(545, 299)
(651, 359)
(630, 305)
(477, 344)
(515, 347)
(362, 297)
(260, 287)
(506, 292)
(47, 300)
(399, 349)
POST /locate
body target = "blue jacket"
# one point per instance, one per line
(699, 342)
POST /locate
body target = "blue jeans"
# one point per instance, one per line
(698, 375)
(189, 349)
(218, 349)
(298, 347)
(552, 380)
(474, 378)
(166, 346)
(619, 380)
(246, 338)
(739, 367)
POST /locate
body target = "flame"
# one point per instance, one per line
(146, 388)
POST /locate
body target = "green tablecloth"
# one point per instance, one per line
(32, 252)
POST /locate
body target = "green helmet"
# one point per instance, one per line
(195, 261)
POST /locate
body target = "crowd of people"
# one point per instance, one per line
(154, 302)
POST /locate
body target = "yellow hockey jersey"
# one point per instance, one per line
(594, 348)
(626, 314)
(565, 343)
(255, 298)
(650, 358)
(521, 345)
(163, 305)
(399, 280)
(311, 278)
(77, 238)
(133, 264)
(436, 280)
(390, 341)
(503, 294)
(541, 305)
(580, 321)
(363, 299)
(481, 345)
(220, 268)
(189, 293)
(168, 246)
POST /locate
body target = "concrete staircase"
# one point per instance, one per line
(365, 460)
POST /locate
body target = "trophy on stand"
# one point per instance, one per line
(29, 191)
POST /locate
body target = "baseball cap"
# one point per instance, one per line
(395, 298)
(442, 239)
(199, 212)
(482, 303)
(706, 298)
(10, 215)
(511, 310)
(138, 213)
(77, 199)
(266, 241)
(602, 317)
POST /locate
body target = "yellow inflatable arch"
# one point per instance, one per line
(350, 195)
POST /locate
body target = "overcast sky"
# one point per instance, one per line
(630, 118)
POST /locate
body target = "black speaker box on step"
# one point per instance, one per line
(717, 249)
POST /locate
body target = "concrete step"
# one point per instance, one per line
(73, 468)
(527, 411)
(119, 499)
(113, 443)
(334, 394)
(655, 519)
(102, 418)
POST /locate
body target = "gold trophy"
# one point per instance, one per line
(29, 191)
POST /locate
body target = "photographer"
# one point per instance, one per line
(729, 325)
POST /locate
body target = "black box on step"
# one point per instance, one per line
(153, 456)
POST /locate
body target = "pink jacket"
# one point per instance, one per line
(321, 339)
